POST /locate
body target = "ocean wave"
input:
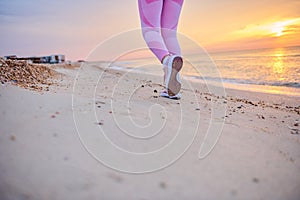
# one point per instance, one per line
(251, 82)
(251, 57)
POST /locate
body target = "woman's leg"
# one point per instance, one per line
(169, 21)
(150, 14)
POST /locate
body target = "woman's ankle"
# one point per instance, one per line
(163, 59)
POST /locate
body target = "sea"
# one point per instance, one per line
(272, 70)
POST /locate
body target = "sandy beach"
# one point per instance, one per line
(48, 151)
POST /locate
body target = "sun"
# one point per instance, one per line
(278, 28)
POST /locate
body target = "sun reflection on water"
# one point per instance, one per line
(278, 67)
(278, 64)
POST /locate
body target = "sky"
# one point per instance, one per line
(76, 27)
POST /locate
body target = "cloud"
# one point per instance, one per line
(292, 29)
(271, 29)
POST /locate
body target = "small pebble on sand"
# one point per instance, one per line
(255, 180)
(12, 138)
(163, 185)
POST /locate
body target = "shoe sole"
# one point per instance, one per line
(165, 95)
(174, 86)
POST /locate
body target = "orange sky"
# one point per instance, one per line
(76, 27)
(228, 25)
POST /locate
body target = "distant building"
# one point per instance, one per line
(57, 59)
(11, 57)
(53, 59)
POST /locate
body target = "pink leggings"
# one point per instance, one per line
(159, 20)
